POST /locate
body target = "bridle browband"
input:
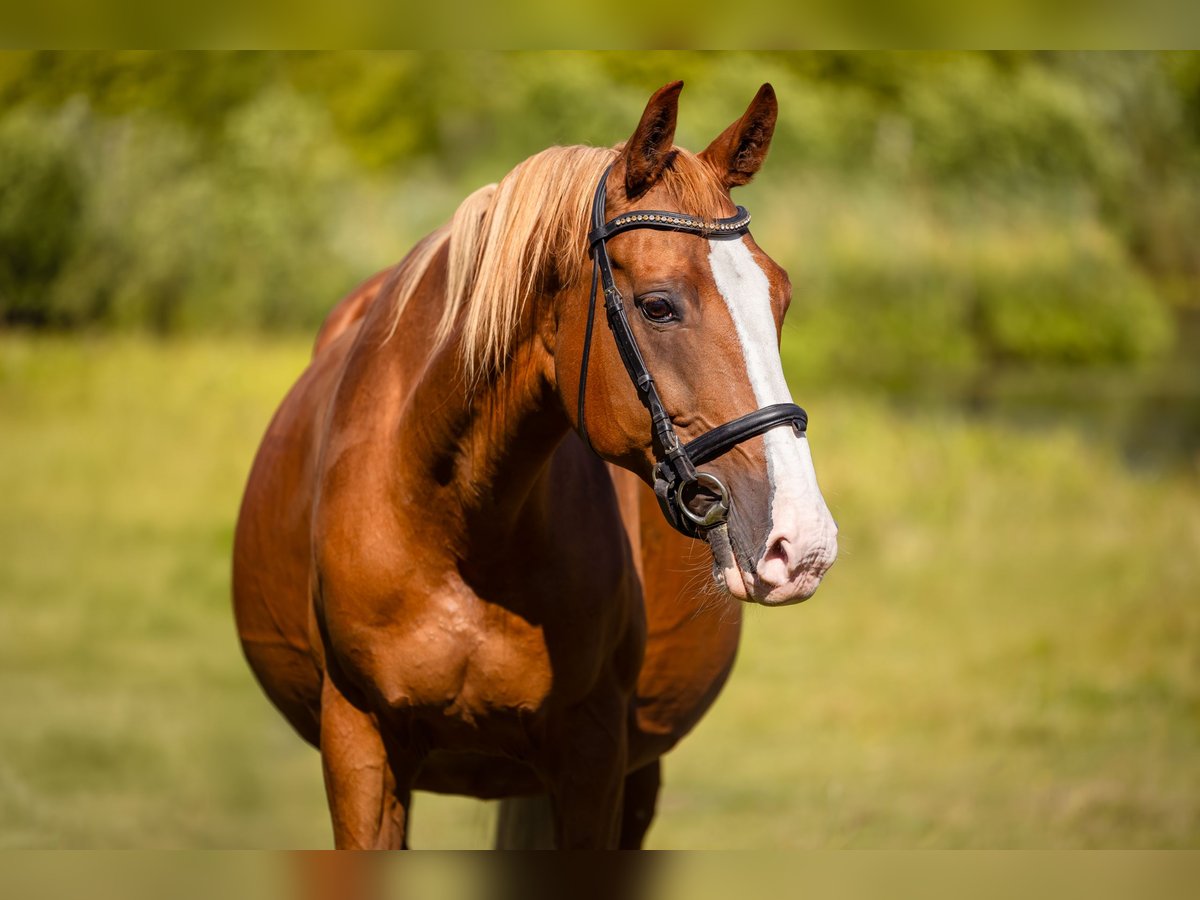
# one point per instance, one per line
(675, 471)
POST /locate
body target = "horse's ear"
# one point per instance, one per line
(648, 152)
(738, 151)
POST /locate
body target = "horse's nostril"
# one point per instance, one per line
(777, 550)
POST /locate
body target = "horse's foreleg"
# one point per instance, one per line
(589, 781)
(641, 799)
(367, 804)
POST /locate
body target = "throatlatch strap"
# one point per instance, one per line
(587, 353)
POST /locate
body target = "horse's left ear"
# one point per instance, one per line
(738, 151)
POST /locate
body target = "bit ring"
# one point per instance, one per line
(717, 513)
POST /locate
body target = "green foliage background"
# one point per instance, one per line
(941, 213)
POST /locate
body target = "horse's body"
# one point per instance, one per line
(690, 632)
(441, 586)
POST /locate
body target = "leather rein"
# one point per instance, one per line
(675, 471)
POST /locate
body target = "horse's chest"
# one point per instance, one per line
(476, 672)
(506, 670)
(464, 665)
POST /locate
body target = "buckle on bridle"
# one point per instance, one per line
(717, 513)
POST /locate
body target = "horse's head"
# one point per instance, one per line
(705, 311)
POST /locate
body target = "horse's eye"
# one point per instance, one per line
(657, 309)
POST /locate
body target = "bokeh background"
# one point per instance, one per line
(995, 330)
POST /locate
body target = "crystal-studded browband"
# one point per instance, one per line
(673, 221)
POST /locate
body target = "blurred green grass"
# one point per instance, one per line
(1006, 655)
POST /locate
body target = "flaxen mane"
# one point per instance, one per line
(505, 237)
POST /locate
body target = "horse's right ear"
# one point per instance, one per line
(648, 152)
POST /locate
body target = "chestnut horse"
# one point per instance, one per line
(445, 583)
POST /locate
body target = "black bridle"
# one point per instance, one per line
(675, 471)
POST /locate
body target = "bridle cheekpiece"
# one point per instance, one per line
(675, 471)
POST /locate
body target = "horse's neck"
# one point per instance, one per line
(497, 445)
(468, 466)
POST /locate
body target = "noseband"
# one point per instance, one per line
(675, 472)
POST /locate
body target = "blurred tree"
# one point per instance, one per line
(199, 89)
(940, 211)
(42, 201)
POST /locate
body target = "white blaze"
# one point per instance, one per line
(798, 511)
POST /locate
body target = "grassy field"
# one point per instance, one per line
(1006, 655)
